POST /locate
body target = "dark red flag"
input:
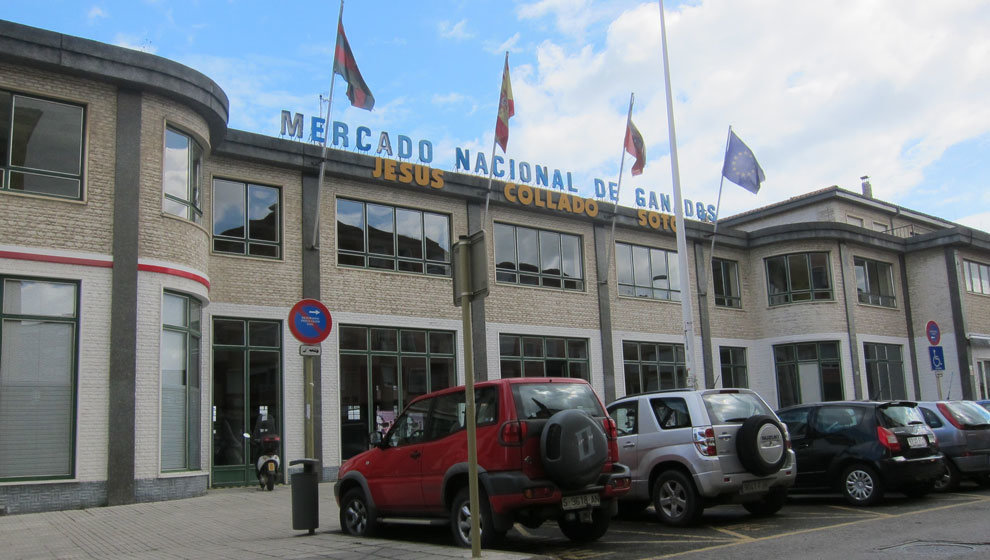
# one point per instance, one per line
(346, 67)
(635, 147)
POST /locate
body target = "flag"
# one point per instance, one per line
(506, 108)
(635, 147)
(346, 67)
(740, 165)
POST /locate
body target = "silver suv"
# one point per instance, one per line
(690, 449)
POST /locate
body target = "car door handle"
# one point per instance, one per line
(725, 437)
(629, 444)
(415, 454)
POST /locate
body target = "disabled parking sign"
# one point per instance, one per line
(310, 321)
(937, 358)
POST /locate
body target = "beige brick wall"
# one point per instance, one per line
(43, 221)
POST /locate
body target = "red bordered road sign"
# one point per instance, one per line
(933, 333)
(310, 321)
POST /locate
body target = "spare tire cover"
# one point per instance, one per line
(760, 445)
(573, 448)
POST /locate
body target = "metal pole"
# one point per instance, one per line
(618, 188)
(718, 202)
(308, 395)
(464, 278)
(328, 125)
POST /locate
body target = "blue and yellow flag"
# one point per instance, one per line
(740, 165)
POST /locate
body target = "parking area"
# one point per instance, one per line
(725, 527)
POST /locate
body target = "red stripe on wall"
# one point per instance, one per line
(174, 272)
(55, 259)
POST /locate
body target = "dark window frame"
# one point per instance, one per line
(881, 362)
(223, 244)
(819, 288)
(734, 368)
(871, 275)
(787, 359)
(642, 360)
(193, 337)
(635, 288)
(725, 283)
(525, 361)
(974, 272)
(511, 272)
(192, 201)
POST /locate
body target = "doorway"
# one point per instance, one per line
(247, 395)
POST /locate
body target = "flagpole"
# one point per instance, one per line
(687, 313)
(618, 187)
(718, 202)
(491, 162)
(328, 125)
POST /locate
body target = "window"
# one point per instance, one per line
(855, 221)
(543, 356)
(246, 219)
(181, 317)
(874, 282)
(386, 237)
(381, 370)
(884, 372)
(647, 273)
(838, 419)
(671, 413)
(725, 280)
(39, 322)
(977, 277)
(650, 366)
(448, 413)
(798, 277)
(808, 372)
(882, 227)
(181, 176)
(41, 146)
(626, 416)
(535, 257)
(733, 366)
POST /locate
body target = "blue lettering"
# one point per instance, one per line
(600, 188)
(339, 134)
(558, 180)
(462, 159)
(653, 201)
(316, 129)
(425, 151)
(541, 176)
(613, 192)
(479, 164)
(525, 173)
(688, 208)
(570, 185)
(512, 170)
(701, 212)
(640, 193)
(384, 144)
(496, 161)
(292, 125)
(362, 131)
(711, 213)
(405, 147)
(665, 203)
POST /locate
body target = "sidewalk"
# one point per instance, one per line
(235, 523)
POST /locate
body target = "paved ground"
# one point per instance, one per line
(237, 523)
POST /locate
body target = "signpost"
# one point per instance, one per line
(310, 322)
(935, 355)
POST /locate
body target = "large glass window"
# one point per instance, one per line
(181, 176)
(41, 146)
(246, 219)
(650, 366)
(977, 277)
(543, 356)
(874, 282)
(39, 321)
(381, 370)
(733, 366)
(387, 237)
(181, 316)
(884, 372)
(536, 257)
(647, 273)
(808, 372)
(798, 277)
(725, 281)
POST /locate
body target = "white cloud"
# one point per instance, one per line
(134, 42)
(456, 31)
(448, 99)
(96, 13)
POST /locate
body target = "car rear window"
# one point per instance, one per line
(543, 400)
(896, 416)
(969, 414)
(729, 408)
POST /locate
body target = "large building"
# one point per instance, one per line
(150, 256)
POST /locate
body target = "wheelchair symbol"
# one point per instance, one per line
(937, 358)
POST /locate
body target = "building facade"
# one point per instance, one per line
(150, 256)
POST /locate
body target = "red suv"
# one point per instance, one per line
(546, 450)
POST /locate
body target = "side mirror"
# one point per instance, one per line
(375, 439)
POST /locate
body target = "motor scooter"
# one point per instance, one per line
(268, 463)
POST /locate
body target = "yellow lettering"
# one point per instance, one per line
(591, 208)
(437, 182)
(526, 194)
(538, 198)
(654, 220)
(405, 172)
(564, 202)
(642, 217)
(422, 175)
(510, 192)
(579, 205)
(378, 168)
(389, 170)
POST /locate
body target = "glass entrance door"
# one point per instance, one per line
(247, 395)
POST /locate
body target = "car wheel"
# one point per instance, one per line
(579, 532)
(950, 477)
(270, 482)
(356, 516)
(760, 445)
(460, 520)
(861, 486)
(919, 490)
(573, 448)
(770, 504)
(676, 500)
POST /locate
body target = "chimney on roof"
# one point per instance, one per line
(867, 188)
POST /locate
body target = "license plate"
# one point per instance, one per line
(917, 441)
(751, 486)
(271, 467)
(578, 502)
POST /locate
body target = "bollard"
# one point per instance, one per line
(305, 496)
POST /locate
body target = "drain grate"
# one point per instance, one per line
(934, 548)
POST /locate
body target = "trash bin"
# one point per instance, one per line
(305, 495)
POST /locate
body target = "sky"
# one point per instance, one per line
(822, 92)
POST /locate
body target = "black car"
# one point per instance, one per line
(862, 449)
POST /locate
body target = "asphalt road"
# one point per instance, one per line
(952, 525)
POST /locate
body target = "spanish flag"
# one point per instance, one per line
(346, 67)
(635, 146)
(506, 108)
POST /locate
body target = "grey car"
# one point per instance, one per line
(690, 449)
(963, 432)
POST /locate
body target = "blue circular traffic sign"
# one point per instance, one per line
(933, 333)
(310, 321)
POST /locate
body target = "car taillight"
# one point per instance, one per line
(513, 433)
(888, 439)
(704, 438)
(944, 408)
(611, 428)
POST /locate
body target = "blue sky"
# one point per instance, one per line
(823, 92)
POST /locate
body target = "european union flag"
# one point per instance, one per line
(740, 165)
